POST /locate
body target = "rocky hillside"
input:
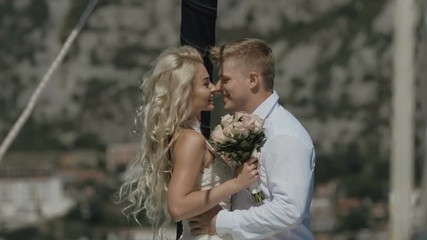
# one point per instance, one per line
(333, 72)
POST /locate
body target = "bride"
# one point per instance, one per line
(175, 175)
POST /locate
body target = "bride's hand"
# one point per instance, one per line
(247, 173)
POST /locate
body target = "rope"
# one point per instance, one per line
(30, 106)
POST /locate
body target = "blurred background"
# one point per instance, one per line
(334, 72)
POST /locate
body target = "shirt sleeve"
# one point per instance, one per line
(289, 165)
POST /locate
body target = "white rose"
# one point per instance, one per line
(226, 120)
(258, 122)
(217, 135)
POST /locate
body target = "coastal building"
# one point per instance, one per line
(30, 193)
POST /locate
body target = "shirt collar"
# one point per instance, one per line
(264, 109)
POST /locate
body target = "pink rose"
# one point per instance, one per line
(252, 122)
(238, 115)
(228, 131)
(248, 121)
(241, 129)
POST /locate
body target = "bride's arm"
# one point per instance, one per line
(184, 201)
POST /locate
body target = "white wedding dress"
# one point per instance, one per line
(217, 173)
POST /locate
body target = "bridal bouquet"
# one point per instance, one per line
(238, 137)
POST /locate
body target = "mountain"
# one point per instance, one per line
(333, 72)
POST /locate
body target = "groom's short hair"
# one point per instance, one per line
(253, 52)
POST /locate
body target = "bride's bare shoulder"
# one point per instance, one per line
(189, 137)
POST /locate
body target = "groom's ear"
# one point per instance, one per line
(254, 79)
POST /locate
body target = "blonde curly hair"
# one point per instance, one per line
(167, 106)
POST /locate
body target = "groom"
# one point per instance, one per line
(287, 159)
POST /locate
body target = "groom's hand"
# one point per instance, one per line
(205, 222)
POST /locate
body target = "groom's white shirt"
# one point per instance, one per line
(287, 165)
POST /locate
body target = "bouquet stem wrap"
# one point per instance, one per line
(255, 188)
